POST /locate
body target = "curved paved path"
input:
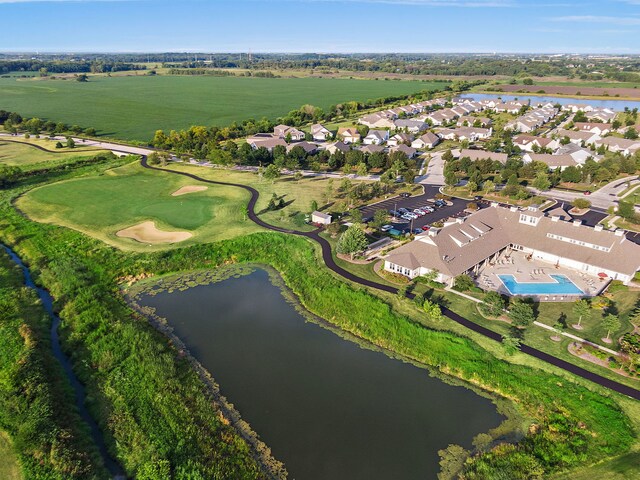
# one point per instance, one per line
(327, 257)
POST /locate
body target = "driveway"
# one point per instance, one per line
(434, 173)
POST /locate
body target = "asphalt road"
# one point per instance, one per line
(327, 257)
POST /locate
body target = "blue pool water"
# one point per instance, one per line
(561, 286)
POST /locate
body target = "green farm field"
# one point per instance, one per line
(134, 107)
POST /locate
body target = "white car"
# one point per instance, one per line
(386, 228)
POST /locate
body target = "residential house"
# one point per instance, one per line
(529, 143)
(320, 133)
(308, 147)
(337, 147)
(371, 148)
(428, 140)
(410, 125)
(578, 153)
(588, 138)
(268, 142)
(603, 115)
(598, 128)
(622, 145)
(471, 121)
(554, 162)
(349, 135)
(400, 138)
(474, 155)
(377, 120)
(410, 152)
(376, 137)
(284, 131)
(465, 133)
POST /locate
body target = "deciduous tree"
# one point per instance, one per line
(352, 241)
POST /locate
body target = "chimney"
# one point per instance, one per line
(577, 223)
(619, 232)
(513, 209)
(599, 227)
(460, 220)
(494, 204)
(433, 231)
(555, 218)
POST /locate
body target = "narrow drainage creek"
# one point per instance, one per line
(112, 466)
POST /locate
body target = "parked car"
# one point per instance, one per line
(425, 227)
(440, 203)
(587, 192)
(403, 210)
(419, 212)
(405, 195)
(393, 213)
(416, 231)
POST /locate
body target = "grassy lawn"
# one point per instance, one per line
(23, 155)
(129, 195)
(9, 469)
(624, 303)
(134, 107)
(298, 195)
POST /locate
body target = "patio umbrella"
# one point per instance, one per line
(603, 275)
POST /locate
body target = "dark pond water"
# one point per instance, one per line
(617, 105)
(327, 408)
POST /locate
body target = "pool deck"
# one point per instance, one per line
(536, 271)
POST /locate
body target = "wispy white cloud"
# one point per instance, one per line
(600, 19)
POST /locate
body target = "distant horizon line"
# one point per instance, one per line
(276, 52)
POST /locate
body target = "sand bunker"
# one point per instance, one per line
(188, 189)
(147, 232)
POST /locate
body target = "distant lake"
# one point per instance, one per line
(617, 105)
(326, 407)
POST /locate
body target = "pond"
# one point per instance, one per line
(617, 105)
(326, 407)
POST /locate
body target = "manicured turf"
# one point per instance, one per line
(23, 155)
(129, 195)
(9, 469)
(100, 206)
(297, 195)
(134, 107)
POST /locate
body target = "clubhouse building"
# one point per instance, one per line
(522, 243)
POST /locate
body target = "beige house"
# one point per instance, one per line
(463, 247)
(474, 155)
(349, 135)
(428, 140)
(554, 162)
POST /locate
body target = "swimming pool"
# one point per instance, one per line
(561, 286)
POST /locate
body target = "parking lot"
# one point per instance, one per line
(455, 207)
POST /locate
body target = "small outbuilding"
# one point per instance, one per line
(320, 218)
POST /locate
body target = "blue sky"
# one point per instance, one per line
(608, 26)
